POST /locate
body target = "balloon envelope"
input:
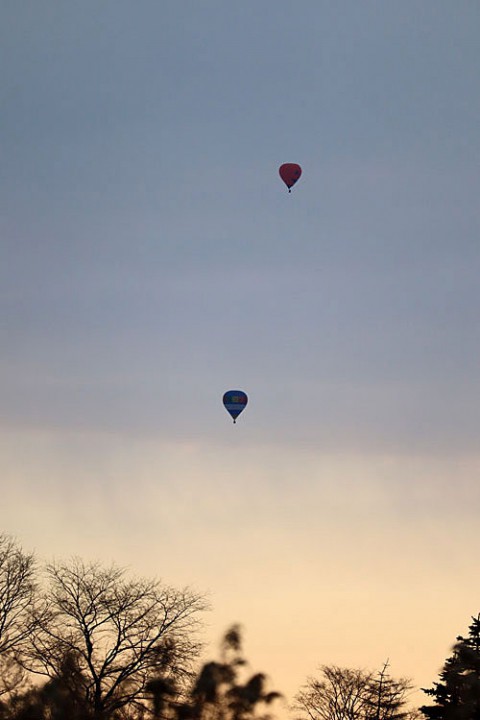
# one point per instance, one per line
(290, 173)
(235, 401)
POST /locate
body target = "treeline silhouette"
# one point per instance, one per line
(80, 641)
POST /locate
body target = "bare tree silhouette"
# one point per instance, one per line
(18, 594)
(353, 694)
(119, 632)
(18, 598)
(388, 697)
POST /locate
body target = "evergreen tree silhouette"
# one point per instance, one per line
(457, 695)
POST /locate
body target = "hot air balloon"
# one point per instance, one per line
(235, 401)
(290, 173)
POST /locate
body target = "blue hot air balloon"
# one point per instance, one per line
(235, 401)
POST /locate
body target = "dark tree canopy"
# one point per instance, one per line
(112, 647)
(218, 692)
(457, 695)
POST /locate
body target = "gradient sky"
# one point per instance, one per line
(151, 259)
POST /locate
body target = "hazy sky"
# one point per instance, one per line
(151, 259)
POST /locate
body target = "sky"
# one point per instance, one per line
(151, 259)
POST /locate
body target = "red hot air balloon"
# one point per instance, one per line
(290, 173)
